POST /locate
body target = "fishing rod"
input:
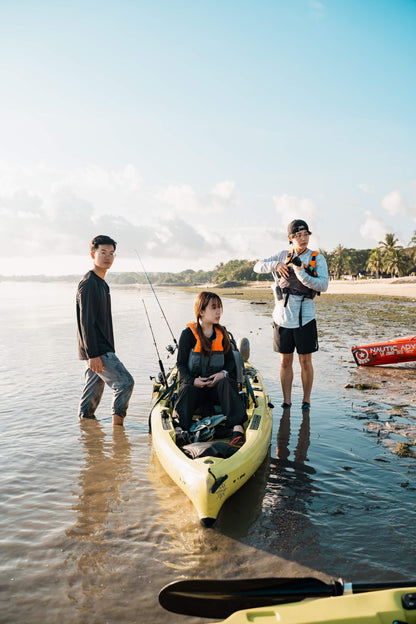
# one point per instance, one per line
(169, 348)
(162, 370)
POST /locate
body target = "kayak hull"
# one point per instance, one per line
(388, 352)
(379, 607)
(210, 481)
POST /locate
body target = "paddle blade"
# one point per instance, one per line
(219, 599)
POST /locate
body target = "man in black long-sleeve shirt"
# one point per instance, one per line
(95, 337)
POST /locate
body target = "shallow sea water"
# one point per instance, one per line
(91, 527)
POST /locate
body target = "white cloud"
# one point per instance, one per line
(394, 204)
(46, 212)
(184, 198)
(93, 178)
(289, 207)
(373, 229)
(224, 190)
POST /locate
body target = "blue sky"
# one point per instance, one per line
(195, 131)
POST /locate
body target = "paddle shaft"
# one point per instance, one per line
(221, 598)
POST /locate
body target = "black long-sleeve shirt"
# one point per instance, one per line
(94, 321)
(187, 341)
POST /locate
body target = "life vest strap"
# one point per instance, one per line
(311, 267)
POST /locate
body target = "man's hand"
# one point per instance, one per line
(283, 269)
(96, 364)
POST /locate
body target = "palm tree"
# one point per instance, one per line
(390, 242)
(338, 261)
(412, 242)
(394, 261)
(375, 262)
(412, 245)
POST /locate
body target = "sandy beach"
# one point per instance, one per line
(396, 287)
(386, 287)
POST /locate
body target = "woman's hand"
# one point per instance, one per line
(209, 382)
(214, 379)
(201, 382)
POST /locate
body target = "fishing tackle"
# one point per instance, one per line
(162, 374)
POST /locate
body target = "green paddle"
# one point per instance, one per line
(221, 598)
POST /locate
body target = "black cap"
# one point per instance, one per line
(297, 225)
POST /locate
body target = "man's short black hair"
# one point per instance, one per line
(102, 239)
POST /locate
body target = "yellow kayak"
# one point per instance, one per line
(209, 481)
(380, 607)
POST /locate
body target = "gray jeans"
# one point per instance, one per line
(115, 375)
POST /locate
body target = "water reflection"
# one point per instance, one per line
(301, 450)
(99, 506)
(290, 489)
(354, 517)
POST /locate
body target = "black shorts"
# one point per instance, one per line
(303, 339)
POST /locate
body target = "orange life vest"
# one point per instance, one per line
(200, 364)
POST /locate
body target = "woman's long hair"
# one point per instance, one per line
(201, 303)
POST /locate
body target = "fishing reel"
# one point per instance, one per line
(159, 378)
(171, 349)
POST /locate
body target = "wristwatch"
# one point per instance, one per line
(225, 373)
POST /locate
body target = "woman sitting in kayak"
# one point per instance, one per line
(207, 370)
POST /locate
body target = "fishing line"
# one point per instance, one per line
(162, 370)
(169, 347)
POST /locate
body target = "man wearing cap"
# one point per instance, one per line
(300, 274)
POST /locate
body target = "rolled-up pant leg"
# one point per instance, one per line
(117, 377)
